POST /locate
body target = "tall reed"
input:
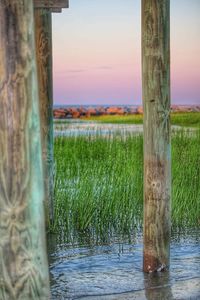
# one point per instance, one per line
(99, 182)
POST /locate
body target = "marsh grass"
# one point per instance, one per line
(99, 183)
(182, 119)
(117, 119)
(95, 183)
(186, 178)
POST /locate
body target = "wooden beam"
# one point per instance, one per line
(52, 4)
(56, 10)
(157, 142)
(43, 38)
(23, 258)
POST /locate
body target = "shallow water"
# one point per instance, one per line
(114, 270)
(75, 128)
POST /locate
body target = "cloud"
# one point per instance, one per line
(108, 67)
(73, 72)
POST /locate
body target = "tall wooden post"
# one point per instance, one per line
(157, 148)
(23, 259)
(43, 37)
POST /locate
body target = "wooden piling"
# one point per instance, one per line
(157, 144)
(23, 259)
(43, 37)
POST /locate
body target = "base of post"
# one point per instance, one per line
(152, 264)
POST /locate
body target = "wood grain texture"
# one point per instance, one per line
(51, 4)
(157, 144)
(43, 37)
(23, 259)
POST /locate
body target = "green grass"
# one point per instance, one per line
(116, 119)
(186, 178)
(186, 119)
(181, 119)
(99, 183)
(95, 183)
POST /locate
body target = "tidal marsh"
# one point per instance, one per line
(182, 119)
(99, 183)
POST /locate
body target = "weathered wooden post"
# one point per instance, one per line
(157, 148)
(23, 259)
(43, 36)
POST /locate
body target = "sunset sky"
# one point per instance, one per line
(97, 58)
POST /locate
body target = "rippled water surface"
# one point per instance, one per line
(114, 270)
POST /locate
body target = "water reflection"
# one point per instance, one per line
(158, 286)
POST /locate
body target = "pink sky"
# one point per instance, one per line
(97, 56)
